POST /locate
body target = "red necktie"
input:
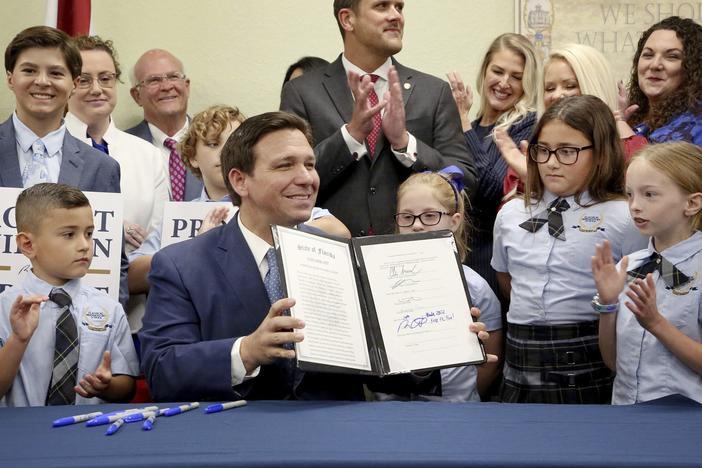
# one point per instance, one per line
(372, 138)
(176, 170)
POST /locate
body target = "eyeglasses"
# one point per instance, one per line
(104, 80)
(155, 81)
(566, 155)
(428, 218)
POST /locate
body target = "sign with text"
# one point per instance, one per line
(182, 220)
(611, 26)
(107, 242)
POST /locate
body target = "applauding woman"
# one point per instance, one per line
(666, 82)
(507, 86)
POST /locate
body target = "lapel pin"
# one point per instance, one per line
(407, 86)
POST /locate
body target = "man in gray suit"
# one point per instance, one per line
(41, 65)
(375, 122)
(160, 87)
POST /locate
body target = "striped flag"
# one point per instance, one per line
(71, 16)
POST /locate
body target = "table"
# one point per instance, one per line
(665, 432)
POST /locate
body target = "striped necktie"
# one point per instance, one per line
(551, 215)
(672, 277)
(65, 370)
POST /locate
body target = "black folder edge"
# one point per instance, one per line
(373, 356)
(374, 336)
(359, 242)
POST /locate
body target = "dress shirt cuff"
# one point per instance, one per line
(238, 370)
(357, 150)
(409, 156)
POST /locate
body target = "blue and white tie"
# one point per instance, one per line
(37, 170)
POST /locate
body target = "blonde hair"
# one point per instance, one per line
(591, 69)
(214, 118)
(682, 163)
(521, 46)
(445, 193)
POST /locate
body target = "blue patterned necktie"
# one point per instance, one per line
(551, 215)
(37, 170)
(672, 277)
(65, 369)
(274, 288)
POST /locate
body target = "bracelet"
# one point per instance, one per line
(603, 308)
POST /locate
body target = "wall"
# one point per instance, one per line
(236, 51)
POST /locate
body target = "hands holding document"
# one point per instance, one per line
(265, 344)
(479, 329)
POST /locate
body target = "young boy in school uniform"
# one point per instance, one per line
(61, 342)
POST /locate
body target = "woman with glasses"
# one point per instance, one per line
(143, 181)
(507, 87)
(574, 199)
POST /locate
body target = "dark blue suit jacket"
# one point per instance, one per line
(205, 293)
(82, 166)
(193, 185)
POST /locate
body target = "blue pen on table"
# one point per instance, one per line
(67, 421)
(107, 419)
(149, 423)
(216, 408)
(180, 409)
(114, 427)
(136, 417)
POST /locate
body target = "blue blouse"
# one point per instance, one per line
(683, 127)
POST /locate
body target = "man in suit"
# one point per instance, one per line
(372, 135)
(41, 64)
(160, 87)
(213, 328)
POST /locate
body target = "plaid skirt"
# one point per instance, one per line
(555, 364)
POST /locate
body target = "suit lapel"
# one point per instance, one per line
(336, 84)
(10, 172)
(239, 268)
(406, 82)
(72, 162)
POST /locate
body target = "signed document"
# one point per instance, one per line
(378, 305)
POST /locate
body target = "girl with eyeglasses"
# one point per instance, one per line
(433, 201)
(574, 198)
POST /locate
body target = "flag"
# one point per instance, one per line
(71, 16)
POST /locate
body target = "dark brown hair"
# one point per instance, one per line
(340, 5)
(593, 118)
(35, 203)
(44, 37)
(97, 43)
(687, 97)
(238, 151)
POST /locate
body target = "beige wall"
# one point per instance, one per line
(236, 51)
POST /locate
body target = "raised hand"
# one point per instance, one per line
(642, 295)
(394, 127)
(515, 157)
(213, 218)
(463, 96)
(24, 315)
(95, 384)
(608, 279)
(362, 118)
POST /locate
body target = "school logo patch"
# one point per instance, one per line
(590, 223)
(96, 319)
(684, 289)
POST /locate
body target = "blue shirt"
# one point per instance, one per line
(646, 369)
(683, 127)
(102, 326)
(552, 279)
(53, 142)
